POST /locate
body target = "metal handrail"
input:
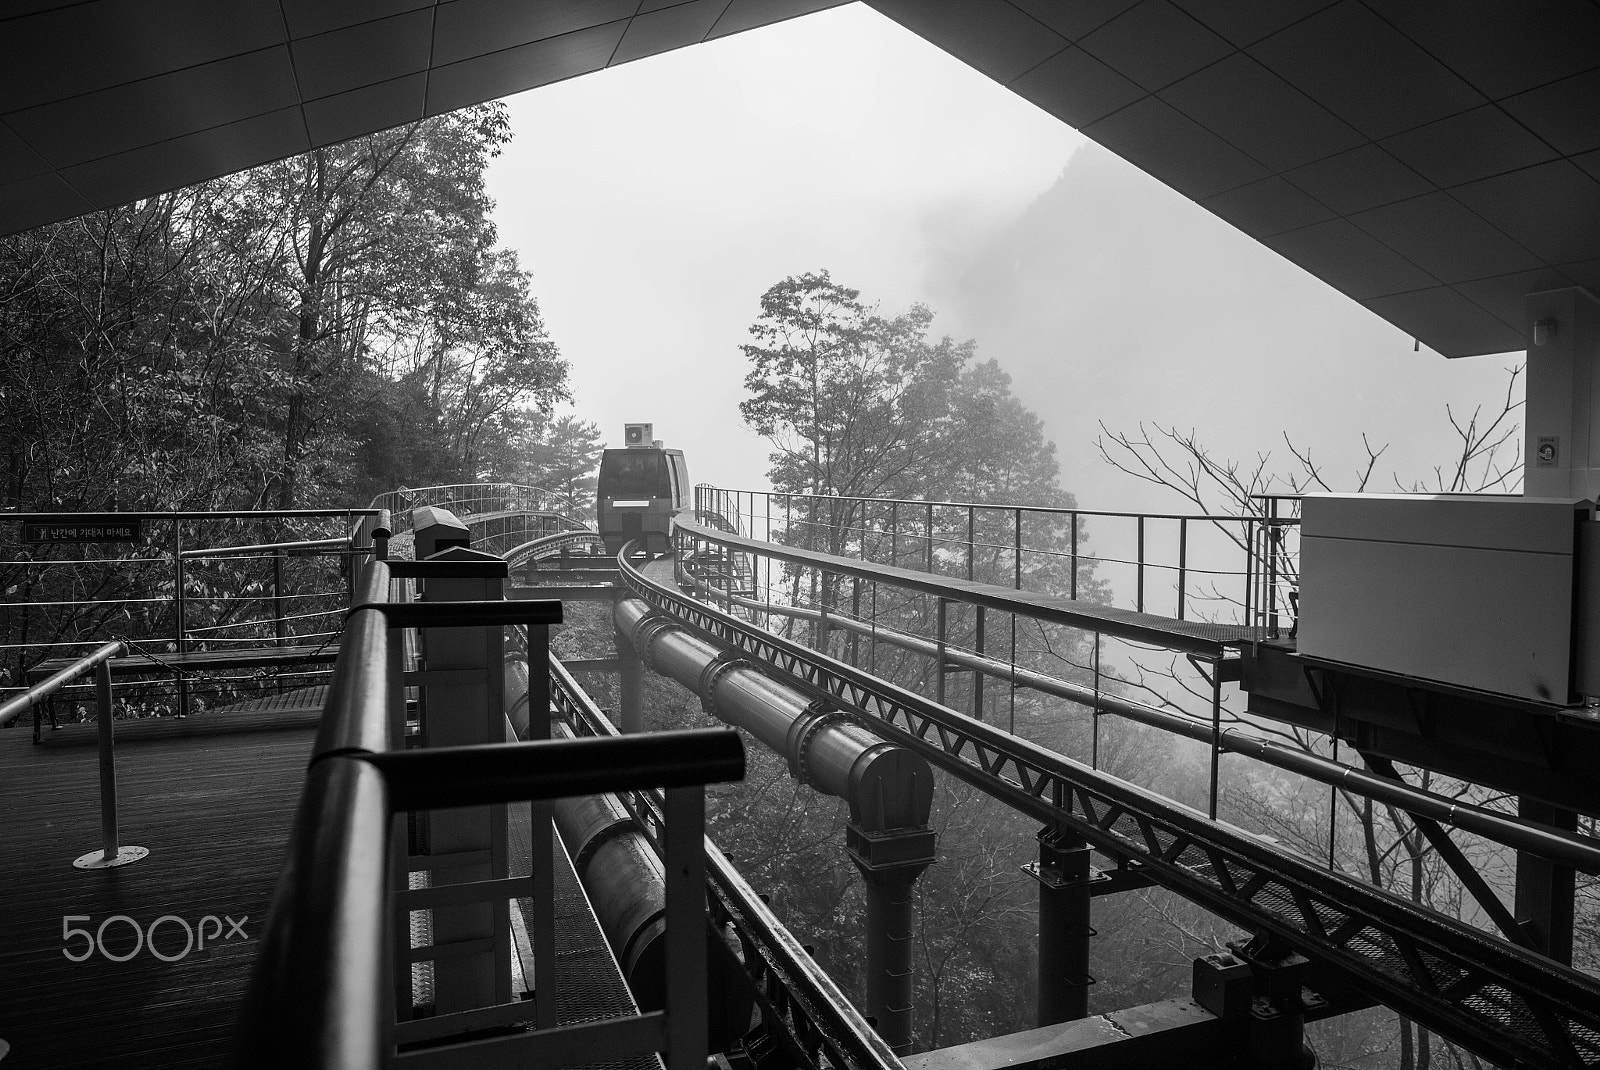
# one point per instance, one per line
(342, 543)
(18, 704)
(939, 504)
(323, 959)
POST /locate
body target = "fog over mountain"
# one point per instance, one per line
(1112, 298)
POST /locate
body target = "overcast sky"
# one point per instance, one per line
(656, 201)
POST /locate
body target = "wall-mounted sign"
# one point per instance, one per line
(84, 527)
(1547, 454)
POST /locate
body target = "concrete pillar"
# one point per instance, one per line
(1563, 395)
(465, 705)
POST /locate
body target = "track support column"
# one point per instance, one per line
(890, 863)
(630, 669)
(1064, 875)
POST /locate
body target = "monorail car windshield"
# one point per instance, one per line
(641, 488)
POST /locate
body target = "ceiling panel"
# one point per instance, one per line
(1350, 259)
(467, 28)
(1155, 44)
(17, 158)
(156, 109)
(1501, 48)
(743, 15)
(1448, 322)
(307, 18)
(1244, 22)
(1562, 113)
(1362, 178)
(28, 202)
(1268, 207)
(1175, 149)
(210, 153)
(361, 111)
(1445, 239)
(373, 52)
(1261, 114)
(1505, 296)
(1468, 146)
(1076, 88)
(513, 70)
(1365, 71)
(85, 47)
(654, 32)
(1553, 209)
(1074, 20)
(992, 35)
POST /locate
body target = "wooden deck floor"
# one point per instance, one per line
(214, 812)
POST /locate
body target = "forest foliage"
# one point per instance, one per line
(307, 333)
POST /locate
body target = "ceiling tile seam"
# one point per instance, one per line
(30, 146)
(294, 72)
(236, 120)
(427, 73)
(1437, 282)
(47, 11)
(1274, 33)
(710, 33)
(1050, 29)
(1233, 50)
(1469, 82)
(1483, 98)
(1455, 288)
(1246, 152)
(612, 58)
(525, 44)
(1494, 102)
(152, 77)
(1557, 153)
(1063, 51)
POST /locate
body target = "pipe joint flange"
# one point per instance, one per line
(714, 671)
(818, 714)
(644, 637)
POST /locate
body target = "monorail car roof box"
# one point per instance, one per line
(1489, 592)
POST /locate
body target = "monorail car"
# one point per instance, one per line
(641, 489)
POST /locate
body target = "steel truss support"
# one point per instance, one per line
(1493, 998)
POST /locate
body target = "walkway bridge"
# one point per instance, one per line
(785, 625)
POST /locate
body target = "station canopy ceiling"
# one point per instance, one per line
(1434, 160)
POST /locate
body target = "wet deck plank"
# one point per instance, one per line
(214, 811)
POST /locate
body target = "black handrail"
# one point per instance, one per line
(321, 995)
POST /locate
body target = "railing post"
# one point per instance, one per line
(112, 852)
(179, 583)
(938, 635)
(1139, 602)
(1016, 549)
(1073, 582)
(277, 607)
(978, 676)
(687, 1005)
(1183, 561)
(927, 564)
(972, 536)
(894, 533)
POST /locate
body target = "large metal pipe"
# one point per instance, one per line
(888, 788)
(1572, 850)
